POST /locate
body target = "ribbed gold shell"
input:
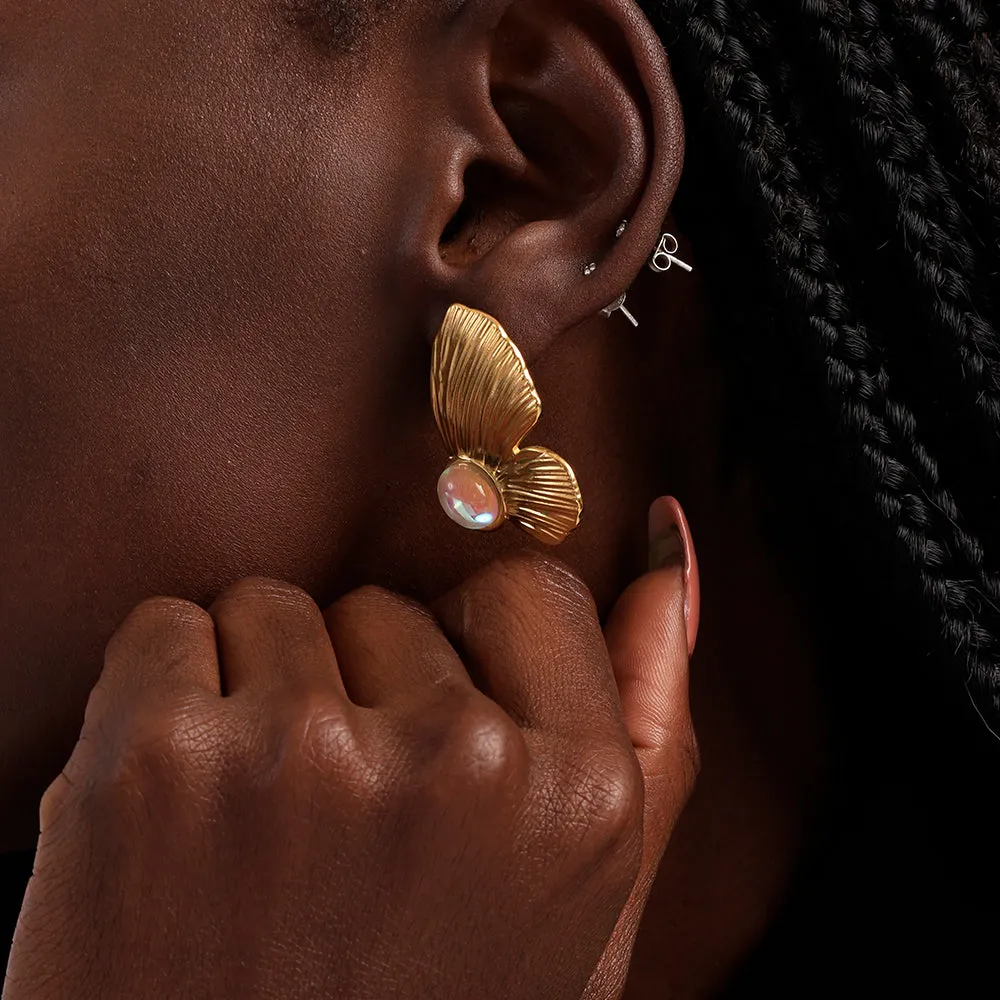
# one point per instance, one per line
(541, 494)
(485, 403)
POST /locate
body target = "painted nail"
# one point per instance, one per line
(671, 544)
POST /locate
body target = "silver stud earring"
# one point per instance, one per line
(663, 257)
(589, 270)
(619, 305)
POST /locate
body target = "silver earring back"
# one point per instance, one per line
(663, 257)
(619, 306)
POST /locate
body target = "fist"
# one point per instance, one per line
(379, 800)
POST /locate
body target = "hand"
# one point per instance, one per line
(254, 810)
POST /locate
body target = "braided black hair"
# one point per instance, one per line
(856, 143)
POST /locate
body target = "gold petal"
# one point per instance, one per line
(542, 494)
(485, 401)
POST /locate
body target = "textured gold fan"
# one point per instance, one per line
(485, 403)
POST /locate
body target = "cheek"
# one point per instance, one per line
(195, 466)
(204, 366)
(216, 381)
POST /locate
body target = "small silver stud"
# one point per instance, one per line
(589, 270)
(620, 231)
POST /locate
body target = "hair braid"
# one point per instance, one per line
(941, 58)
(753, 26)
(908, 492)
(862, 60)
(980, 27)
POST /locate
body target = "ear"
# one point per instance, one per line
(577, 128)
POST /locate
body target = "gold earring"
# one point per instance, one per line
(485, 403)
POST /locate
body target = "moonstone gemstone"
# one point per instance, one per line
(469, 496)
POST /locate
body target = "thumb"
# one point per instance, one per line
(650, 635)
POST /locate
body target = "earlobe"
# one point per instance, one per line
(583, 132)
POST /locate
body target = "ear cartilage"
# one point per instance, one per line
(663, 256)
(619, 306)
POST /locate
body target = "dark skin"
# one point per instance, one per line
(226, 256)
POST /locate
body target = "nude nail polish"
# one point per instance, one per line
(671, 544)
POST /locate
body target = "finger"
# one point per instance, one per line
(271, 634)
(164, 649)
(164, 643)
(392, 652)
(528, 631)
(649, 634)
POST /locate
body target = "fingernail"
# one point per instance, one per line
(671, 544)
(666, 547)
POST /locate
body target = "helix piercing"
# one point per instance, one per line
(619, 303)
(619, 233)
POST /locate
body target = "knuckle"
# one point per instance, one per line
(372, 600)
(465, 743)
(159, 611)
(317, 762)
(173, 608)
(319, 734)
(369, 594)
(486, 746)
(532, 578)
(612, 793)
(538, 567)
(167, 751)
(255, 590)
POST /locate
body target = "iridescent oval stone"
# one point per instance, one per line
(469, 496)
